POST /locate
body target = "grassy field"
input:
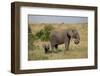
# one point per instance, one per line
(75, 51)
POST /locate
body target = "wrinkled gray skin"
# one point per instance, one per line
(63, 37)
(46, 47)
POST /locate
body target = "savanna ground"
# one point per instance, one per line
(36, 51)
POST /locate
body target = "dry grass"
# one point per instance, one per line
(75, 51)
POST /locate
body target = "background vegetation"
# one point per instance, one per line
(39, 33)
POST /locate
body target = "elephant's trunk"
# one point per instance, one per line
(77, 39)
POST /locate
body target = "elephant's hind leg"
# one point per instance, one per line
(56, 46)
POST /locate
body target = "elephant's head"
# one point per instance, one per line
(46, 47)
(74, 35)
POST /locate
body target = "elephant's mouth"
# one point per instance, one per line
(76, 41)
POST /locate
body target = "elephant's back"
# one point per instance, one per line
(57, 36)
(61, 32)
(56, 33)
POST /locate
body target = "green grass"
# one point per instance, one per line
(37, 55)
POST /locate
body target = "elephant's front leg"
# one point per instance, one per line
(67, 42)
(56, 48)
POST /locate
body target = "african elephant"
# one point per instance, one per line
(46, 47)
(63, 37)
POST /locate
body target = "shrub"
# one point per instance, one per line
(31, 39)
(39, 34)
(44, 33)
(48, 27)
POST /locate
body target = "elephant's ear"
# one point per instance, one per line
(75, 32)
(70, 33)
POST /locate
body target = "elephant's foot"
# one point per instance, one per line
(47, 52)
(67, 49)
(55, 51)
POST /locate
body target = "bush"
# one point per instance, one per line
(48, 27)
(39, 34)
(44, 33)
(31, 39)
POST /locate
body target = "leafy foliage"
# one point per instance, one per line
(31, 39)
(44, 33)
